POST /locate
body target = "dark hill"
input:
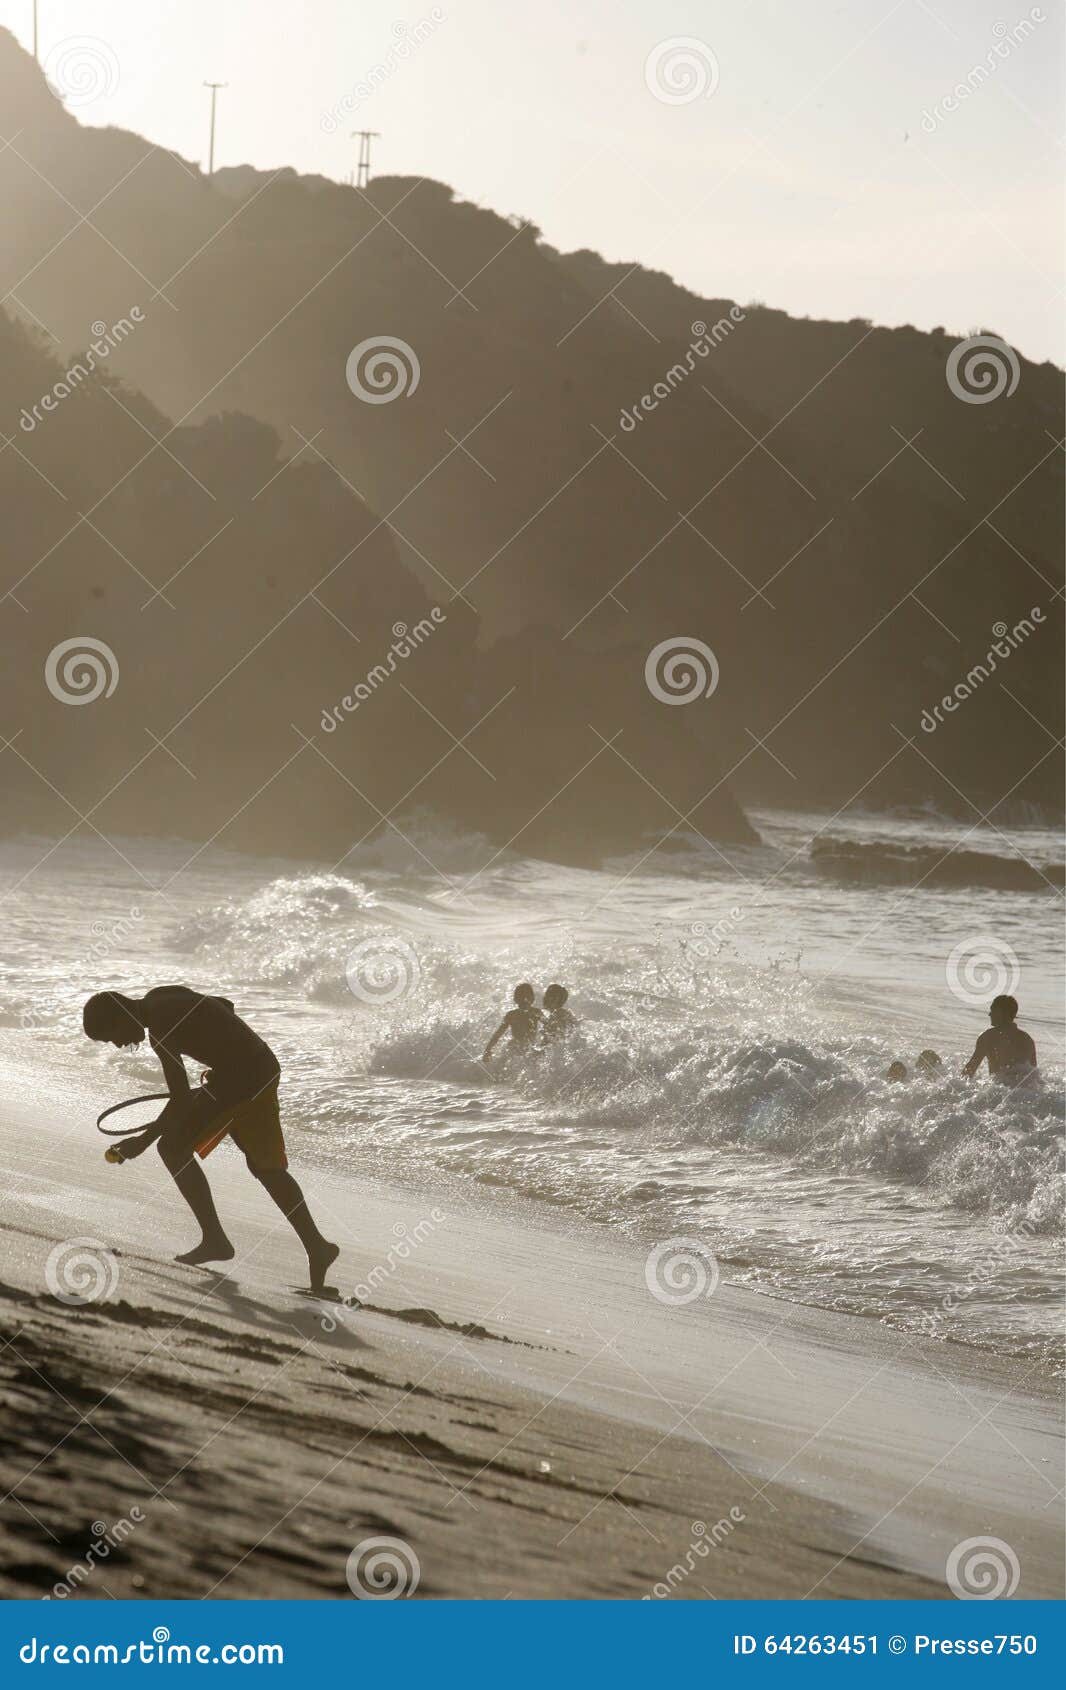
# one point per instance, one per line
(283, 681)
(845, 580)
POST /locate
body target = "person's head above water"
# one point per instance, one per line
(110, 1018)
(928, 1062)
(555, 997)
(1002, 1010)
(896, 1071)
(524, 995)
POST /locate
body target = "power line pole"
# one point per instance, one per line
(214, 87)
(364, 137)
(36, 54)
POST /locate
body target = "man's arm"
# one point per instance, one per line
(173, 1068)
(178, 1087)
(126, 1149)
(978, 1056)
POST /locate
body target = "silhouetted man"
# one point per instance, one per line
(522, 1022)
(1009, 1052)
(239, 1095)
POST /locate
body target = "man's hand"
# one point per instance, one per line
(135, 1145)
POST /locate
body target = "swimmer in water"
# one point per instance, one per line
(896, 1071)
(1009, 1052)
(928, 1063)
(523, 1022)
(558, 1022)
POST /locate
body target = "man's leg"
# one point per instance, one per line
(279, 1185)
(177, 1147)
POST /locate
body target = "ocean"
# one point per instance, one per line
(737, 1008)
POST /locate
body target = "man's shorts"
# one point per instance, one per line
(255, 1125)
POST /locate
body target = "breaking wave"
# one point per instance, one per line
(669, 1061)
(858, 863)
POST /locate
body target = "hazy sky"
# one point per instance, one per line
(805, 175)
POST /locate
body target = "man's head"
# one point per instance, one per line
(555, 997)
(896, 1071)
(524, 995)
(1003, 1010)
(110, 1019)
(929, 1062)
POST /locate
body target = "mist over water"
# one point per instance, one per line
(726, 1081)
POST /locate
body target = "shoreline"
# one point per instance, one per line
(515, 1407)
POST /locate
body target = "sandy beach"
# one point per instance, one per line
(513, 1406)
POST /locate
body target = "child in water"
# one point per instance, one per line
(523, 1022)
(558, 1022)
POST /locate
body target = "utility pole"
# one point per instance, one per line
(214, 87)
(36, 54)
(364, 137)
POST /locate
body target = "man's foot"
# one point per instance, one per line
(209, 1250)
(319, 1262)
